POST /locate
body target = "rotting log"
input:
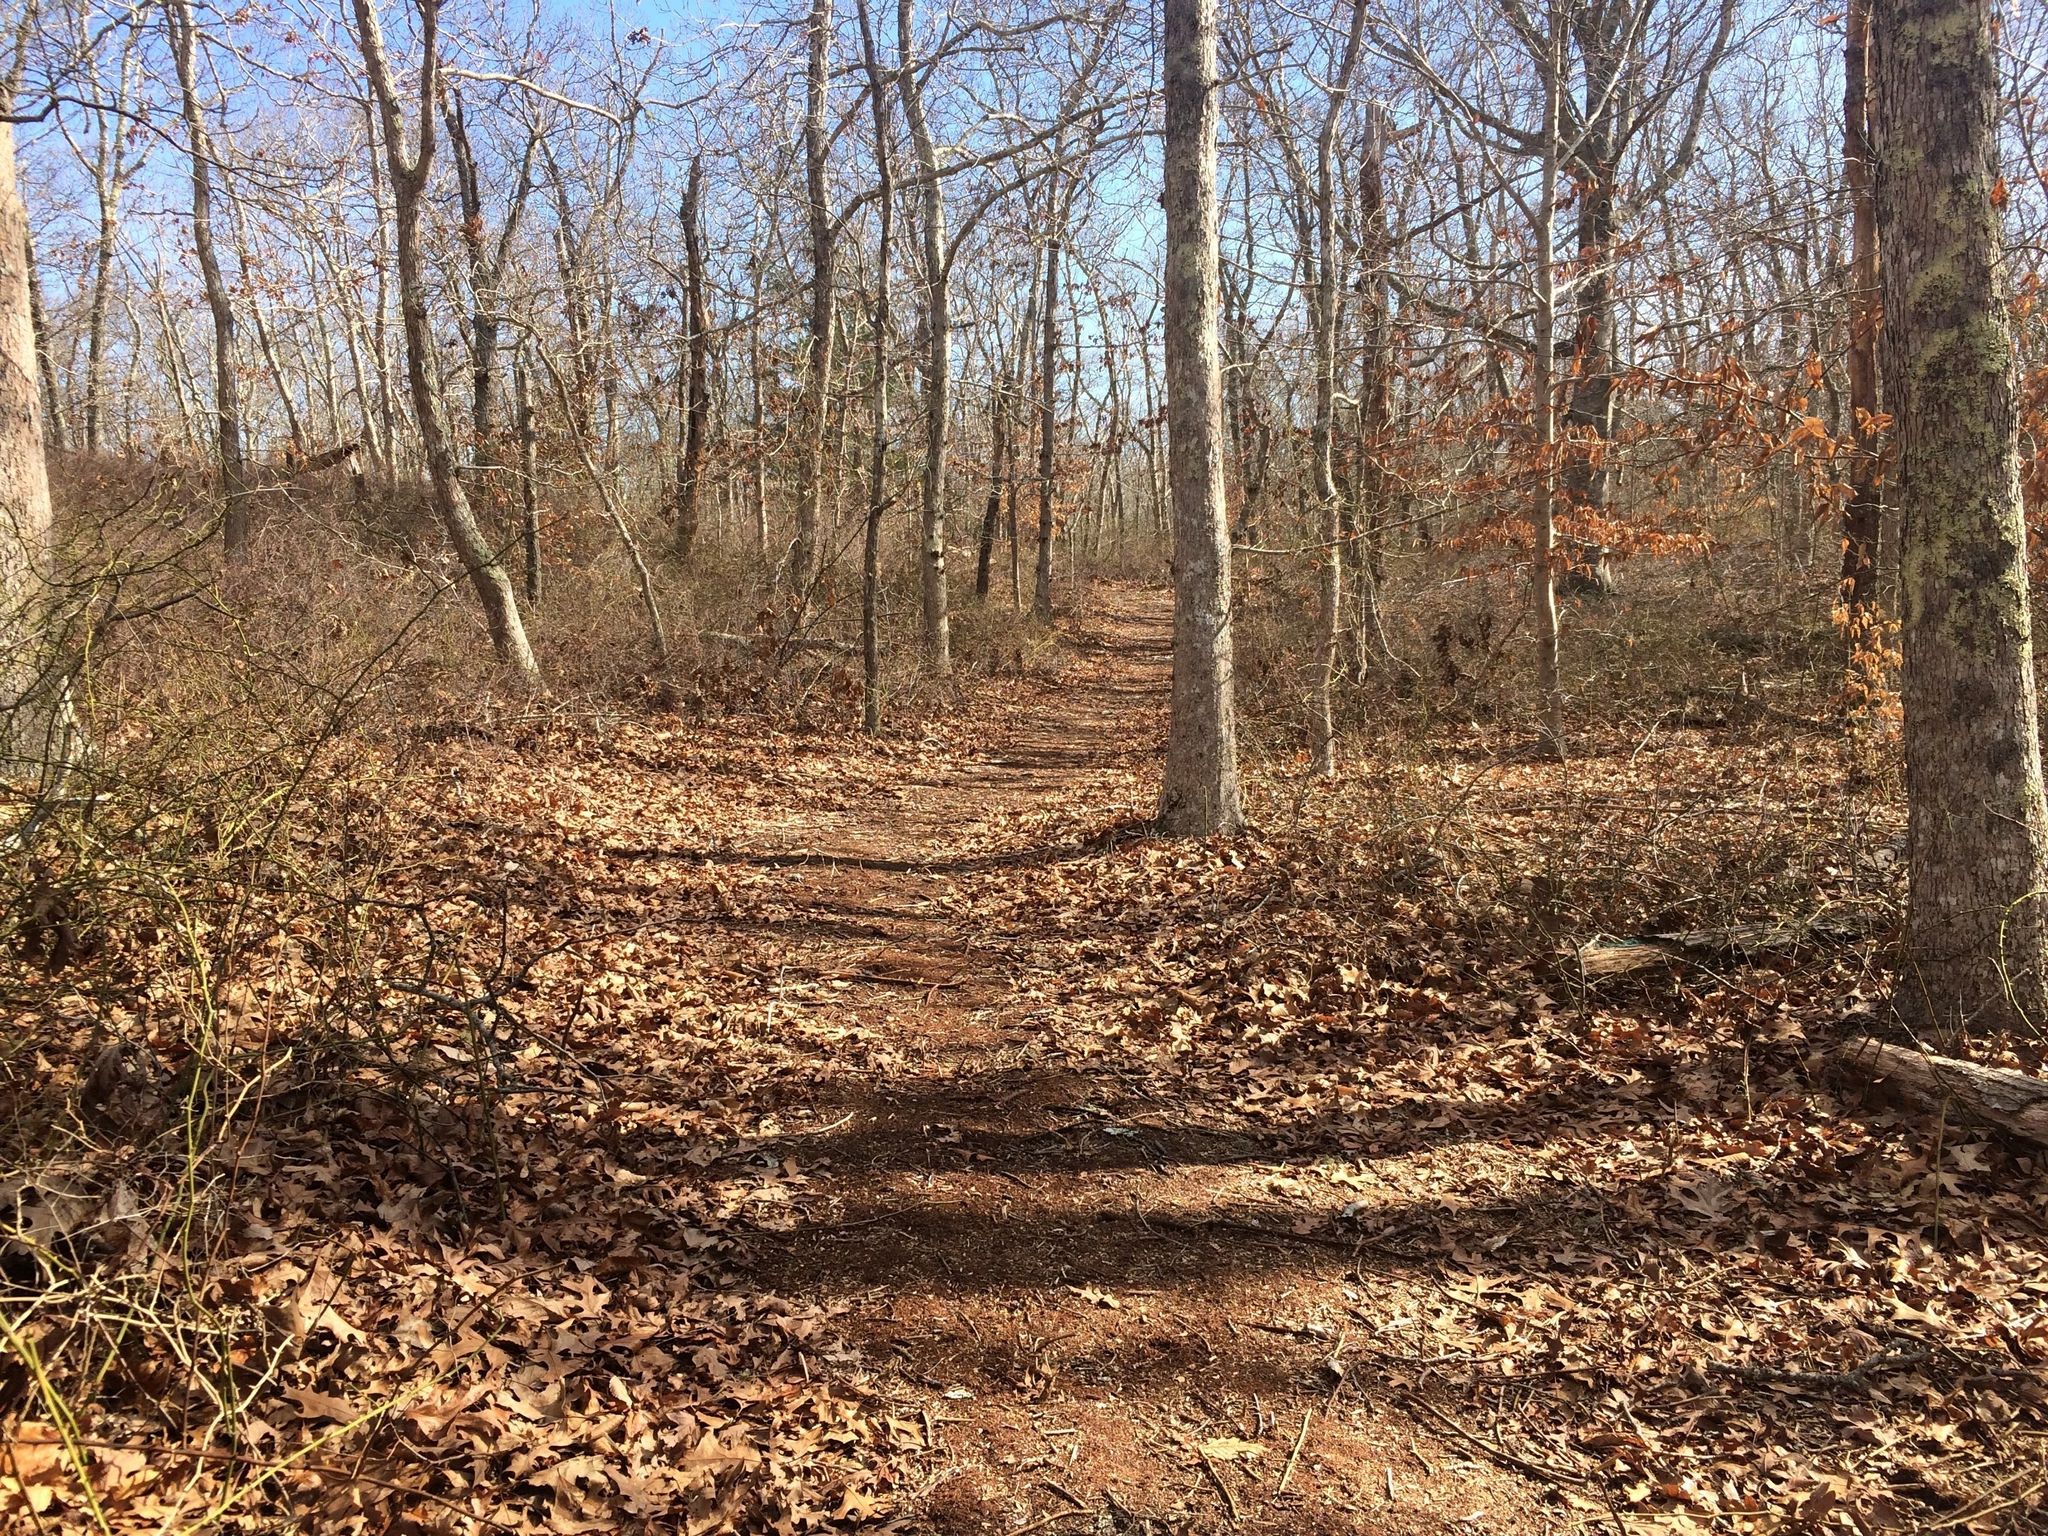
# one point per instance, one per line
(1747, 943)
(1992, 1096)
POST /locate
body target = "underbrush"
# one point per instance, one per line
(284, 1189)
(1740, 636)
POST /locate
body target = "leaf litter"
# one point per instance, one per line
(736, 1129)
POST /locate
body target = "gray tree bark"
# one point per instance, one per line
(1199, 795)
(34, 712)
(1041, 588)
(227, 386)
(1976, 929)
(408, 183)
(818, 379)
(878, 459)
(1543, 387)
(938, 382)
(53, 396)
(1330, 523)
(696, 392)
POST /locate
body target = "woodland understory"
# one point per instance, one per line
(998, 769)
(661, 1107)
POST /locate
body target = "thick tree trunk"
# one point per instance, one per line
(227, 387)
(1199, 795)
(696, 401)
(34, 714)
(409, 181)
(1976, 948)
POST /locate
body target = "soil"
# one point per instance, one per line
(1087, 1297)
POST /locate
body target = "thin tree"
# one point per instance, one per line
(1199, 795)
(1862, 517)
(408, 175)
(696, 391)
(227, 373)
(1048, 366)
(1976, 947)
(878, 461)
(938, 336)
(818, 377)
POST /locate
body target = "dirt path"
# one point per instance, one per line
(1047, 1255)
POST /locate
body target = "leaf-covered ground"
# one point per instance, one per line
(804, 1132)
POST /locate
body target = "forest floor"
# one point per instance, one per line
(773, 1130)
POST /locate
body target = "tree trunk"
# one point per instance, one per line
(1330, 521)
(529, 478)
(998, 459)
(1863, 517)
(1543, 388)
(878, 459)
(227, 387)
(818, 379)
(1199, 794)
(1041, 590)
(757, 446)
(938, 647)
(409, 182)
(1976, 940)
(34, 713)
(53, 397)
(696, 400)
(1375, 384)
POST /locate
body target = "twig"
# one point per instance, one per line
(1300, 1439)
(1229, 1499)
(1052, 1519)
(1064, 1492)
(1855, 1376)
(1498, 1451)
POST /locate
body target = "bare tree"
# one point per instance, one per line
(696, 390)
(818, 377)
(878, 460)
(227, 387)
(408, 173)
(938, 368)
(1862, 517)
(1199, 794)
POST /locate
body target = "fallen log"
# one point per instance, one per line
(1745, 943)
(1992, 1096)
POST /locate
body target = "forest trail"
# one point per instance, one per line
(1087, 1291)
